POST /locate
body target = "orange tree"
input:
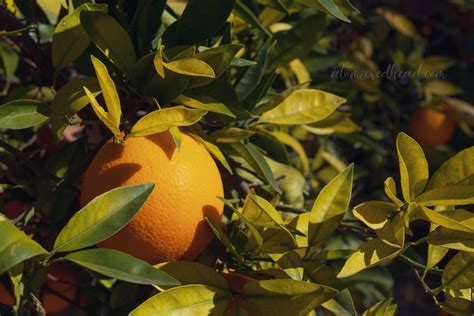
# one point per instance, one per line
(195, 158)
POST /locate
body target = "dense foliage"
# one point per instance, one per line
(306, 107)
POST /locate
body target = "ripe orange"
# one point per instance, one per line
(60, 280)
(6, 298)
(170, 225)
(431, 128)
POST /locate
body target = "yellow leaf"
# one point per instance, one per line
(101, 114)
(400, 23)
(191, 67)
(164, 119)
(413, 167)
(109, 91)
(371, 253)
(194, 299)
(303, 106)
(300, 71)
(289, 140)
(158, 62)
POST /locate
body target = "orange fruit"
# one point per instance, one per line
(6, 298)
(60, 280)
(431, 128)
(170, 226)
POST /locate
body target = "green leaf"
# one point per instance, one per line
(326, 6)
(291, 182)
(190, 67)
(10, 59)
(69, 100)
(298, 41)
(458, 170)
(21, 114)
(452, 239)
(330, 207)
(15, 246)
(285, 297)
(230, 135)
(219, 58)
(109, 36)
(70, 39)
(202, 19)
(371, 253)
(254, 74)
(413, 167)
(256, 160)
(447, 195)
(121, 266)
(166, 89)
(382, 308)
(459, 272)
(187, 272)
(219, 108)
(192, 299)
(164, 119)
(342, 304)
(260, 212)
(246, 14)
(102, 217)
(109, 91)
(103, 116)
(303, 106)
(440, 219)
(216, 229)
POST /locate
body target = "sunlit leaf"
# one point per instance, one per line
(215, 107)
(447, 195)
(330, 207)
(109, 91)
(303, 106)
(458, 170)
(413, 167)
(191, 67)
(164, 119)
(192, 299)
(371, 253)
(382, 308)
